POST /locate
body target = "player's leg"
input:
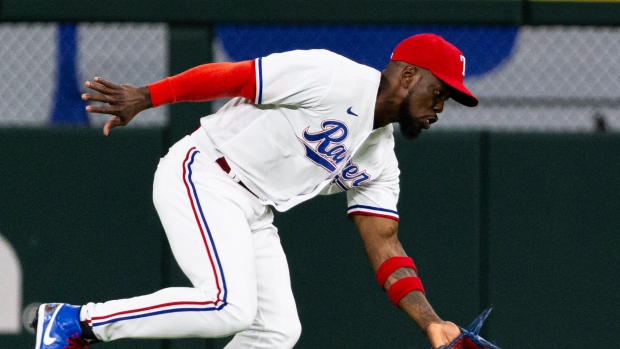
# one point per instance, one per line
(276, 325)
(205, 215)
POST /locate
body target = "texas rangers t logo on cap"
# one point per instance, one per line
(444, 60)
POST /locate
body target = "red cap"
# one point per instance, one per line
(443, 59)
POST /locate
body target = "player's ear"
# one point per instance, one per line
(409, 76)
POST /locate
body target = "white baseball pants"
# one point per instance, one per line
(224, 241)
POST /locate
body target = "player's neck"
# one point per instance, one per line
(387, 104)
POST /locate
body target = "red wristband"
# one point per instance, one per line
(390, 265)
(400, 288)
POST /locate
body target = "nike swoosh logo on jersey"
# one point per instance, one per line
(47, 340)
(349, 111)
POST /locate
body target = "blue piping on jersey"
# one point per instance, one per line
(260, 81)
(373, 208)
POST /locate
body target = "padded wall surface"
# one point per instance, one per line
(554, 222)
(528, 223)
(77, 208)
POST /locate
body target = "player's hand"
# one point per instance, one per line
(442, 333)
(122, 101)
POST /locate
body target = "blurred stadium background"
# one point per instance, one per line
(522, 204)
(542, 78)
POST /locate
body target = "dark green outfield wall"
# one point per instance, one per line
(529, 223)
(554, 239)
(76, 207)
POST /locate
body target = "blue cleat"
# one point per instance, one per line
(57, 326)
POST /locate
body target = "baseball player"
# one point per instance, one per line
(300, 124)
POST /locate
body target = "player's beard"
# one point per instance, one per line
(409, 128)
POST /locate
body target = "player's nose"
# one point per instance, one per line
(438, 108)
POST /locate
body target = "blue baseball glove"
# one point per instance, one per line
(469, 338)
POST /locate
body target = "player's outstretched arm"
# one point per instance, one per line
(202, 83)
(381, 242)
(122, 101)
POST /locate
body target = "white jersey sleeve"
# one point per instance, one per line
(379, 196)
(295, 78)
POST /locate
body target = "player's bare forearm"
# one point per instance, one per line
(381, 242)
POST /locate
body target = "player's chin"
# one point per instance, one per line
(410, 130)
(410, 126)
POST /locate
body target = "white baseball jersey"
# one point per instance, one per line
(308, 132)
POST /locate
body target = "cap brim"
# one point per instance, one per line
(459, 92)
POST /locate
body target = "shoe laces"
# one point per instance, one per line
(76, 342)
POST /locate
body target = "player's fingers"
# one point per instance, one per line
(438, 341)
(97, 97)
(105, 83)
(100, 109)
(116, 121)
(98, 87)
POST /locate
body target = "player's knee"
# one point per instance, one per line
(236, 315)
(232, 319)
(244, 319)
(284, 334)
(242, 314)
(291, 333)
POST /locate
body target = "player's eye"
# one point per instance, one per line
(441, 95)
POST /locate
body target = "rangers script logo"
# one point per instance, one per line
(325, 148)
(350, 177)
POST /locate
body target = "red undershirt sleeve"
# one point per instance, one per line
(206, 82)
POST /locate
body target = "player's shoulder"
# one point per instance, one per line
(317, 53)
(345, 64)
(304, 56)
(322, 57)
(313, 64)
(350, 78)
